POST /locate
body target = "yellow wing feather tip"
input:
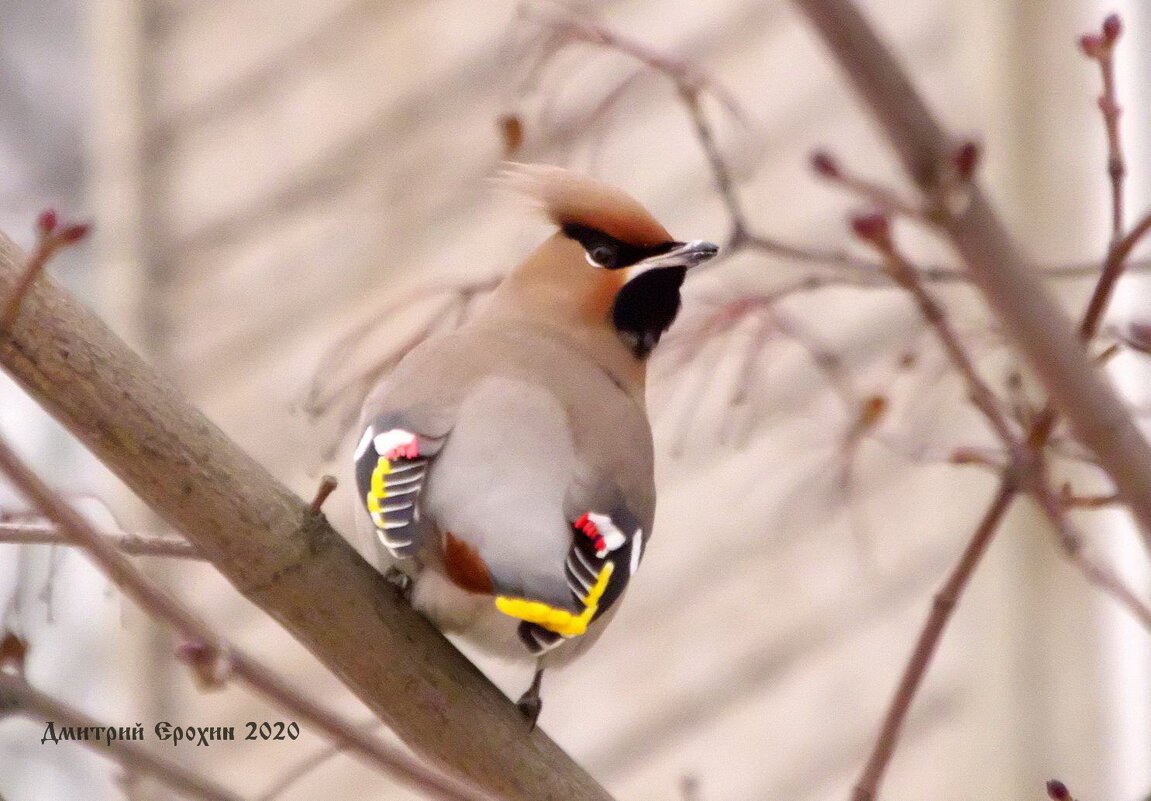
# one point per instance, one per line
(379, 488)
(560, 621)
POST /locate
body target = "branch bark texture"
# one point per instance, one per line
(1040, 329)
(277, 553)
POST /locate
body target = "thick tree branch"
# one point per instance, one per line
(1040, 329)
(266, 542)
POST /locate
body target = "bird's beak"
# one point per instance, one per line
(684, 254)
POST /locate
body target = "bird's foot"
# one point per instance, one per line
(397, 443)
(530, 707)
(530, 704)
(401, 581)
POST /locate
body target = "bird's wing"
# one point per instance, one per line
(607, 544)
(391, 466)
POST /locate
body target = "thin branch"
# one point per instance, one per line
(941, 608)
(1113, 268)
(724, 182)
(567, 26)
(299, 771)
(827, 166)
(267, 542)
(16, 695)
(875, 229)
(1071, 543)
(165, 608)
(132, 544)
(1101, 49)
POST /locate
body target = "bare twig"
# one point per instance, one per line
(327, 487)
(566, 25)
(49, 241)
(1113, 268)
(299, 771)
(16, 695)
(1070, 500)
(941, 609)
(1101, 49)
(165, 608)
(724, 182)
(1071, 543)
(875, 229)
(133, 544)
(827, 166)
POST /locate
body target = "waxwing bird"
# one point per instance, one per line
(507, 466)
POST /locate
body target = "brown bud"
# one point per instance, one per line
(73, 233)
(210, 667)
(46, 222)
(825, 164)
(963, 456)
(965, 159)
(512, 130)
(1112, 28)
(871, 411)
(1091, 44)
(13, 650)
(874, 227)
(1057, 791)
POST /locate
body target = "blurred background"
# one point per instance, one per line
(264, 175)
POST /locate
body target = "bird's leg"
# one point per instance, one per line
(401, 581)
(530, 703)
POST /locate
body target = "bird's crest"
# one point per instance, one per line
(569, 197)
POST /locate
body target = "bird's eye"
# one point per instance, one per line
(602, 255)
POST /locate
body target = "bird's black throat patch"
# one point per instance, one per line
(646, 306)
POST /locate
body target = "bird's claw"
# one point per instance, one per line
(401, 581)
(530, 705)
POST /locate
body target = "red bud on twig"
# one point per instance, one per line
(825, 164)
(46, 222)
(873, 227)
(210, 666)
(1057, 791)
(1091, 44)
(1112, 28)
(965, 159)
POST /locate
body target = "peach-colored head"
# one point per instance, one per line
(611, 274)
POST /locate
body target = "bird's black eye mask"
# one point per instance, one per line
(611, 253)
